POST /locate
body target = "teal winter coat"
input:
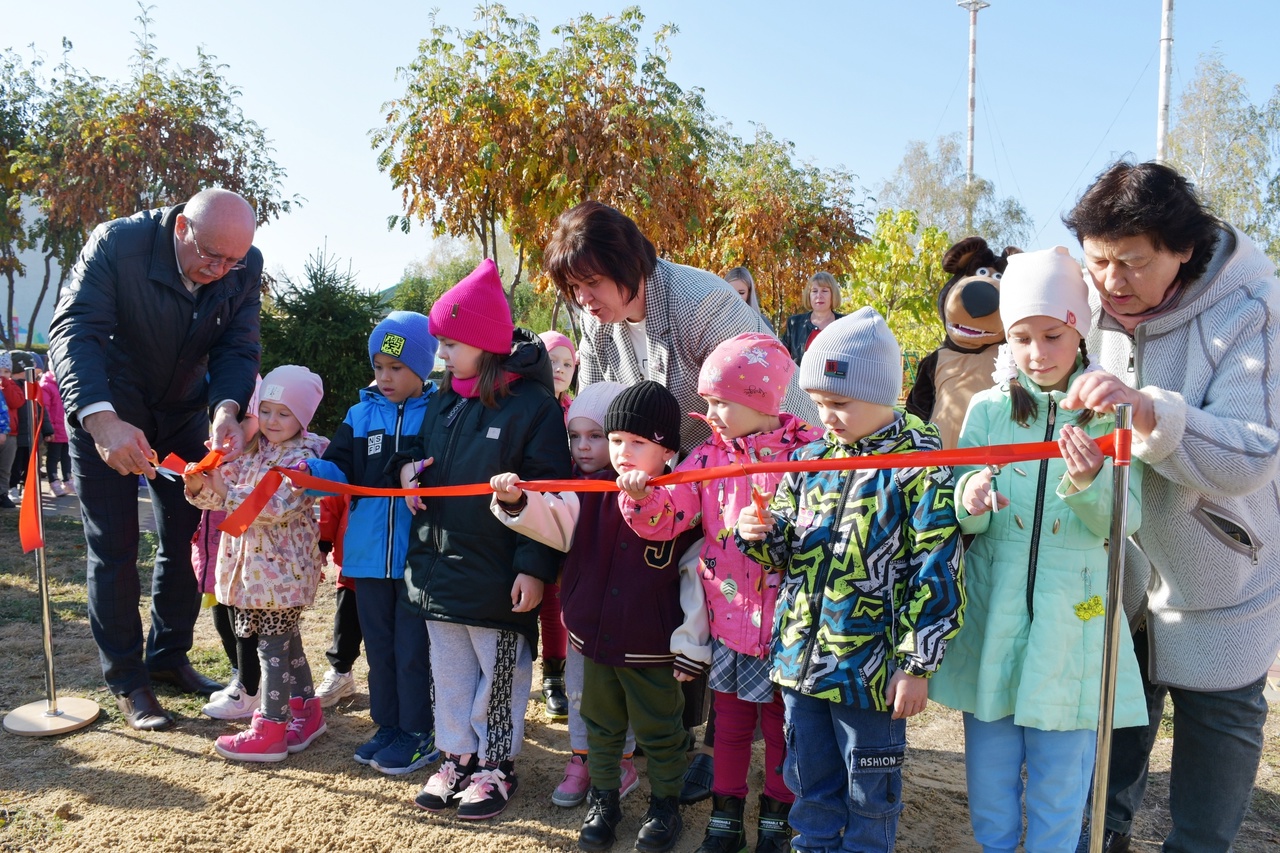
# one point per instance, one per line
(1036, 583)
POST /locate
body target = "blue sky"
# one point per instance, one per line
(1063, 87)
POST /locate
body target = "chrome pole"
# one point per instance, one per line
(1115, 621)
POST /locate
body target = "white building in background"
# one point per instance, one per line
(26, 290)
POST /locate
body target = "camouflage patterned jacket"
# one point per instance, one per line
(871, 569)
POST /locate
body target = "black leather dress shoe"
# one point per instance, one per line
(186, 679)
(142, 711)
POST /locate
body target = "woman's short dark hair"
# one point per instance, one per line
(1152, 199)
(595, 239)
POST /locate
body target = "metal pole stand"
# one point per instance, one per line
(49, 717)
(1115, 619)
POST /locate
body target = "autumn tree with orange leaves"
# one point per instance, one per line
(781, 219)
(96, 150)
(496, 134)
(493, 133)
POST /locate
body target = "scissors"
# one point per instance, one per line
(163, 472)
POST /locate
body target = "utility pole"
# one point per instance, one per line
(974, 6)
(1166, 72)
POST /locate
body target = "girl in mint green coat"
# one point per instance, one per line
(1026, 667)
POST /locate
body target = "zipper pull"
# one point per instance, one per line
(1053, 410)
(1131, 356)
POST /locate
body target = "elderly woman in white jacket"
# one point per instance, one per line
(1187, 324)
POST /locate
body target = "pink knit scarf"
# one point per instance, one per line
(1131, 321)
(471, 387)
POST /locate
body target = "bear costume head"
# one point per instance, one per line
(969, 303)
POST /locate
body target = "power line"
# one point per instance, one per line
(946, 108)
(1119, 112)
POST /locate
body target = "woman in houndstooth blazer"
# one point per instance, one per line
(647, 318)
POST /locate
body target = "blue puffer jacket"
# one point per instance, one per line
(374, 430)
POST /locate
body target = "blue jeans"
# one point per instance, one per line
(844, 765)
(1059, 770)
(1217, 744)
(399, 654)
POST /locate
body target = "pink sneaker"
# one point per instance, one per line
(264, 740)
(307, 723)
(572, 789)
(630, 778)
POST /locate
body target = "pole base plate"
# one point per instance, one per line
(33, 719)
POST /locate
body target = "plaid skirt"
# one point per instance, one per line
(745, 676)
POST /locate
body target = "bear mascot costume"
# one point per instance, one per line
(969, 304)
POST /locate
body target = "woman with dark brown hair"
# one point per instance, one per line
(647, 318)
(1187, 322)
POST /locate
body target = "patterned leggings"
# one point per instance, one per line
(285, 672)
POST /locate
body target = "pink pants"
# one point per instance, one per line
(735, 729)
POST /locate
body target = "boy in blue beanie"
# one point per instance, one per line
(386, 420)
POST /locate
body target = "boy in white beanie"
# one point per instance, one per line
(871, 590)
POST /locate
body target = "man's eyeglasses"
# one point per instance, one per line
(228, 264)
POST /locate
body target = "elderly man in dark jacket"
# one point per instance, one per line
(155, 336)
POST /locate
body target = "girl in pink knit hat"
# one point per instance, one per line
(477, 583)
(555, 642)
(743, 382)
(271, 572)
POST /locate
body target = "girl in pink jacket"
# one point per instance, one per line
(271, 572)
(57, 452)
(743, 382)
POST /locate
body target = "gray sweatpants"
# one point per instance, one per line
(482, 680)
(573, 681)
(8, 452)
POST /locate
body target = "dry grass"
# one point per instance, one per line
(110, 788)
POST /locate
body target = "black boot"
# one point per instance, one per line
(661, 826)
(553, 688)
(599, 829)
(698, 779)
(773, 831)
(724, 830)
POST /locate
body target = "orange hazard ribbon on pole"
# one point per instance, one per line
(30, 524)
(1001, 454)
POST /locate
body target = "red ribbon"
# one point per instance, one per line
(173, 462)
(1001, 454)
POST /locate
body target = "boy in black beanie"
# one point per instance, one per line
(640, 623)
